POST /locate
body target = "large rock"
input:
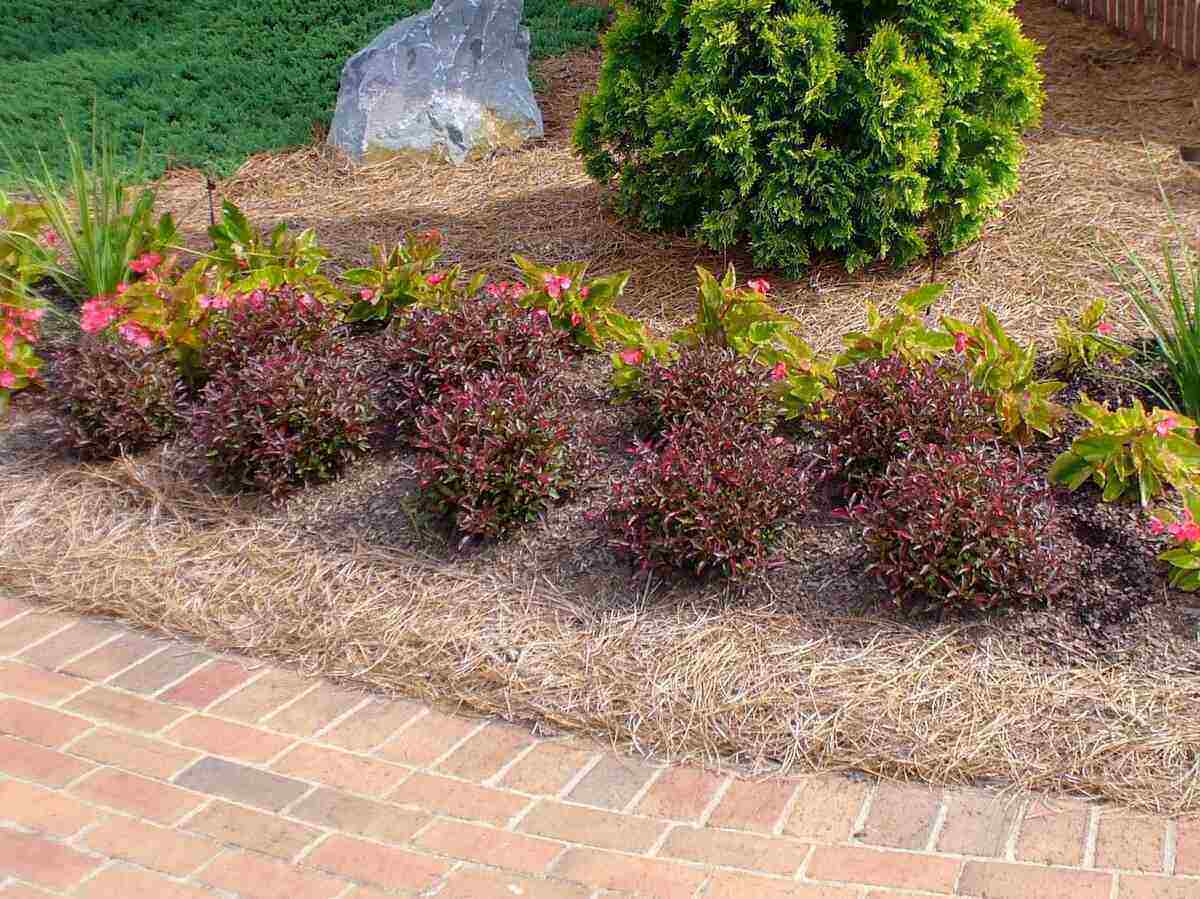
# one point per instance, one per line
(451, 81)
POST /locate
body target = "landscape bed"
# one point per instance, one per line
(808, 668)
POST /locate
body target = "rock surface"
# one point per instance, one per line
(451, 81)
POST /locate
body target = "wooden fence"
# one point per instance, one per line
(1174, 24)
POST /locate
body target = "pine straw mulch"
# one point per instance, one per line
(807, 671)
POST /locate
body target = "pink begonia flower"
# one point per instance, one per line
(1157, 527)
(576, 319)
(1190, 532)
(779, 372)
(584, 291)
(960, 342)
(97, 314)
(134, 333)
(368, 295)
(213, 301)
(8, 341)
(759, 285)
(435, 279)
(1168, 424)
(7, 378)
(145, 263)
(556, 284)
(121, 288)
(632, 357)
(32, 315)
(50, 237)
(1104, 329)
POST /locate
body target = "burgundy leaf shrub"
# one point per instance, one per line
(288, 417)
(495, 454)
(884, 408)
(112, 397)
(708, 497)
(960, 528)
(705, 382)
(264, 323)
(429, 351)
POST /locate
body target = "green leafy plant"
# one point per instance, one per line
(903, 333)
(1007, 370)
(807, 127)
(1086, 341)
(1184, 530)
(102, 223)
(245, 259)
(1129, 452)
(582, 307)
(28, 251)
(404, 277)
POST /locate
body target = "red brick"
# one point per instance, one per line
(826, 808)
(977, 823)
(612, 782)
(382, 865)
(238, 741)
(486, 753)
(79, 638)
(20, 891)
(546, 769)
(880, 867)
(727, 885)
(137, 795)
(262, 696)
(313, 712)
(1130, 843)
(497, 848)
(124, 709)
(997, 880)
(241, 783)
(1054, 835)
(372, 725)
(37, 808)
(102, 663)
(27, 682)
(457, 799)
(38, 725)
(251, 829)
(735, 850)
(10, 608)
(1187, 846)
(205, 686)
(352, 814)
(576, 824)
(753, 805)
(1137, 887)
(477, 883)
(351, 773)
(254, 877)
(152, 847)
(427, 739)
(680, 793)
(124, 883)
(901, 816)
(40, 861)
(32, 762)
(153, 674)
(19, 634)
(142, 755)
(643, 876)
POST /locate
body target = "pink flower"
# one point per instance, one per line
(97, 314)
(1104, 329)
(1168, 424)
(632, 357)
(145, 263)
(542, 316)
(50, 237)
(7, 378)
(435, 279)
(1190, 532)
(121, 288)
(584, 291)
(1157, 527)
(134, 333)
(576, 319)
(368, 295)
(8, 341)
(496, 291)
(779, 372)
(960, 342)
(556, 284)
(213, 301)
(759, 285)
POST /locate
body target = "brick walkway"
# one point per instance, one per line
(138, 767)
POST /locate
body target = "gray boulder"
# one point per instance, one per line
(451, 81)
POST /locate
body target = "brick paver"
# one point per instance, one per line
(133, 766)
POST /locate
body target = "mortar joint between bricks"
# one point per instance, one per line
(494, 780)
(785, 813)
(939, 824)
(718, 795)
(1170, 847)
(859, 824)
(630, 807)
(1090, 837)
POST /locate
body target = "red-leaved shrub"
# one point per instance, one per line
(712, 496)
(112, 397)
(705, 382)
(495, 454)
(263, 323)
(429, 351)
(884, 408)
(290, 417)
(960, 528)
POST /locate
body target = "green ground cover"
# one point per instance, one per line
(207, 82)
